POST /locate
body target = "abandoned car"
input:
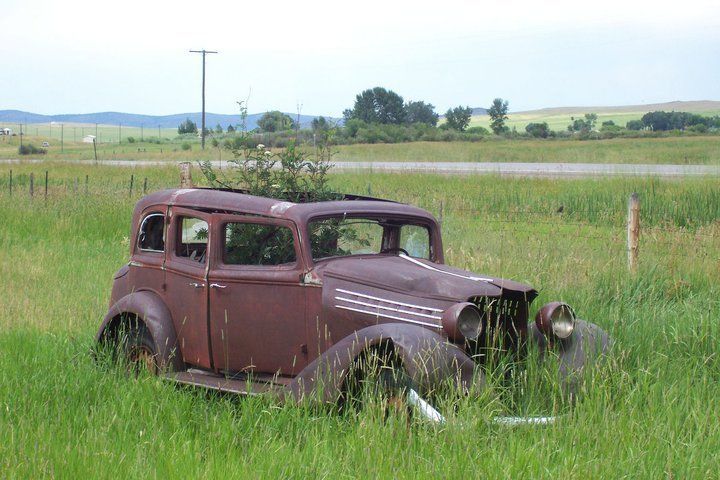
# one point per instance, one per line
(248, 294)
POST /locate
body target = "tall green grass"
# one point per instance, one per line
(704, 150)
(650, 412)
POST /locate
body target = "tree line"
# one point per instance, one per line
(380, 115)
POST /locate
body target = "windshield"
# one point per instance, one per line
(342, 236)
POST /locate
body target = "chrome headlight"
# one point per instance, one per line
(556, 318)
(462, 321)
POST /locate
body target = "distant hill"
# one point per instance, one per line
(136, 120)
(678, 106)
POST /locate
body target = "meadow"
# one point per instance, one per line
(650, 412)
(558, 118)
(703, 150)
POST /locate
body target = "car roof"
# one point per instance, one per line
(207, 199)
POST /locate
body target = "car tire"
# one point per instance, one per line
(138, 347)
(377, 376)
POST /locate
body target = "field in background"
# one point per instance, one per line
(559, 118)
(670, 150)
(648, 415)
(74, 132)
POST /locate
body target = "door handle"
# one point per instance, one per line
(217, 285)
(196, 285)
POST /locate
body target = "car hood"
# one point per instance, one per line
(417, 277)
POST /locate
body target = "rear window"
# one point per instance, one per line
(151, 237)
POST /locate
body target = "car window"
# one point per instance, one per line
(415, 240)
(193, 239)
(257, 244)
(333, 237)
(151, 237)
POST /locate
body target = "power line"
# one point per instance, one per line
(202, 131)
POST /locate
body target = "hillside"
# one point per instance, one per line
(558, 118)
(137, 120)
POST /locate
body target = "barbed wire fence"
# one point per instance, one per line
(610, 231)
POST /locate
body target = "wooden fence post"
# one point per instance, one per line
(145, 186)
(32, 181)
(132, 180)
(87, 179)
(11, 182)
(633, 231)
(185, 175)
(46, 184)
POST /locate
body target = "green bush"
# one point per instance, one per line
(131, 139)
(478, 131)
(30, 149)
(538, 130)
(186, 146)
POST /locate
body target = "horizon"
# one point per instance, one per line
(511, 112)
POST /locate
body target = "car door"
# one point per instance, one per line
(257, 302)
(186, 283)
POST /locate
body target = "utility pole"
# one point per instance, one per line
(141, 132)
(62, 138)
(202, 132)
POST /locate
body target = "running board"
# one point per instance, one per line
(198, 378)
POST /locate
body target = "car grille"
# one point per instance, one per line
(505, 322)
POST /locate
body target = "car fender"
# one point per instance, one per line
(584, 348)
(428, 359)
(150, 308)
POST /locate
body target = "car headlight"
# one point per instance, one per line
(462, 321)
(557, 319)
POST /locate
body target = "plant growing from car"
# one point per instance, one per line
(291, 174)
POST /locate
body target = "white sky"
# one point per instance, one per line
(80, 56)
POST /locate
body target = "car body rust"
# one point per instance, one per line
(295, 325)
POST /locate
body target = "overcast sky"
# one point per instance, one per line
(81, 56)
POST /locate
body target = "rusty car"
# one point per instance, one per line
(249, 295)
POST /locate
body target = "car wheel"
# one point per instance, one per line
(139, 349)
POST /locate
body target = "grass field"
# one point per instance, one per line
(671, 150)
(559, 118)
(652, 412)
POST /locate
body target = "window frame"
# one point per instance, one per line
(178, 214)
(220, 222)
(434, 239)
(138, 247)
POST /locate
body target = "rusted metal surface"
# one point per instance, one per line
(305, 322)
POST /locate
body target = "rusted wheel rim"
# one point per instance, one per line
(142, 359)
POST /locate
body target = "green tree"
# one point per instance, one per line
(218, 128)
(421, 112)
(538, 130)
(498, 114)
(275, 121)
(583, 125)
(635, 125)
(230, 129)
(188, 126)
(378, 105)
(458, 118)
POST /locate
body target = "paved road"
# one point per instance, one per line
(466, 168)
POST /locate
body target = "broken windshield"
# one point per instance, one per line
(343, 236)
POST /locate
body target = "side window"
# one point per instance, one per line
(151, 237)
(415, 240)
(256, 244)
(193, 233)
